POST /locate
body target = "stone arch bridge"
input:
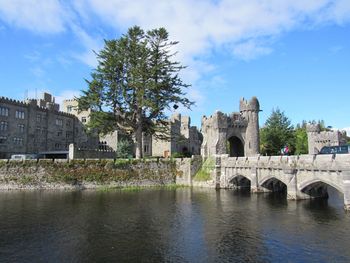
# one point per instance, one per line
(302, 177)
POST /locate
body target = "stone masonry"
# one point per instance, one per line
(318, 139)
(236, 134)
(37, 126)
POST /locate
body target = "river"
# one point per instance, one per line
(181, 225)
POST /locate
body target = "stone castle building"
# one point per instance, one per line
(37, 126)
(236, 134)
(318, 139)
(185, 138)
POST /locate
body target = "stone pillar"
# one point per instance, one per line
(292, 188)
(71, 151)
(217, 171)
(254, 182)
(293, 192)
(346, 183)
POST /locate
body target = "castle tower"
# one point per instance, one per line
(313, 130)
(250, 112)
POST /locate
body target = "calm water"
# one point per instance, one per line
(180, 225)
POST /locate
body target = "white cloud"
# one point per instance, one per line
(200, 26)
(203, 25)
(243, 29)
(90, 44)
(39, 16)
(250, 50)
(339, 11)
(66, 94)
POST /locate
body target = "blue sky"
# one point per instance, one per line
(291, 54)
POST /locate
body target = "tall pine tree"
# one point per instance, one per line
(277, 133)
(135, 82)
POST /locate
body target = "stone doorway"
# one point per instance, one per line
(235, 147)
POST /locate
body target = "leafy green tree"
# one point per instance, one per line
(301, 143)
(124, 149)
(135, 82)
(277, 133)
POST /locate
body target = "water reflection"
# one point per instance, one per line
(183, 225)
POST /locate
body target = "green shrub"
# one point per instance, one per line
(124, 149)
(122, 163)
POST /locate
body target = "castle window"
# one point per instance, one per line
(68, 123)
(4, 111)
(69, 108)
(68, 134)
(18, 141)
(83, 119)
(19, 114)
(57, 145)
(146, 148)
(3, 126)
(59, 122)
(3, 139)
(59, 133)
(38, 117)
(21, 128)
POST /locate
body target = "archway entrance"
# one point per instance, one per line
(235, 147)
(316, 190)
(275, 185)
(240, 182)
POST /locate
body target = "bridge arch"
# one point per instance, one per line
(317, 187)
(239, 181)
(235, 146)
(273, 184)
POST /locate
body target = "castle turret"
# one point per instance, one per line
(313, 131)
(250, 111)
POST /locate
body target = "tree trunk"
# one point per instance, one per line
(138, 139)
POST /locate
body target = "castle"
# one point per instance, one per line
(317, 138)
(236, 134)
(37, 126)
(184, 138)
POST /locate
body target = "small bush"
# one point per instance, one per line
(124, 149)
(122, 163)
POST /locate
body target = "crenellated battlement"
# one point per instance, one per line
(239, 129)
(32, 103)
(249, 105)
(313, 127)
(13, 101)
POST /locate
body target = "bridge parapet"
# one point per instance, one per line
(298, 173)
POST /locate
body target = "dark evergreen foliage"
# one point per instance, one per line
(135, 83)
(276, 134)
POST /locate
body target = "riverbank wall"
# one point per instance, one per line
(88, 174)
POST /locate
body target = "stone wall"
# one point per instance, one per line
(240, 129)
(187, 169)
(26, 127)
(80, 174)
(318, 139)
(86, 153)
